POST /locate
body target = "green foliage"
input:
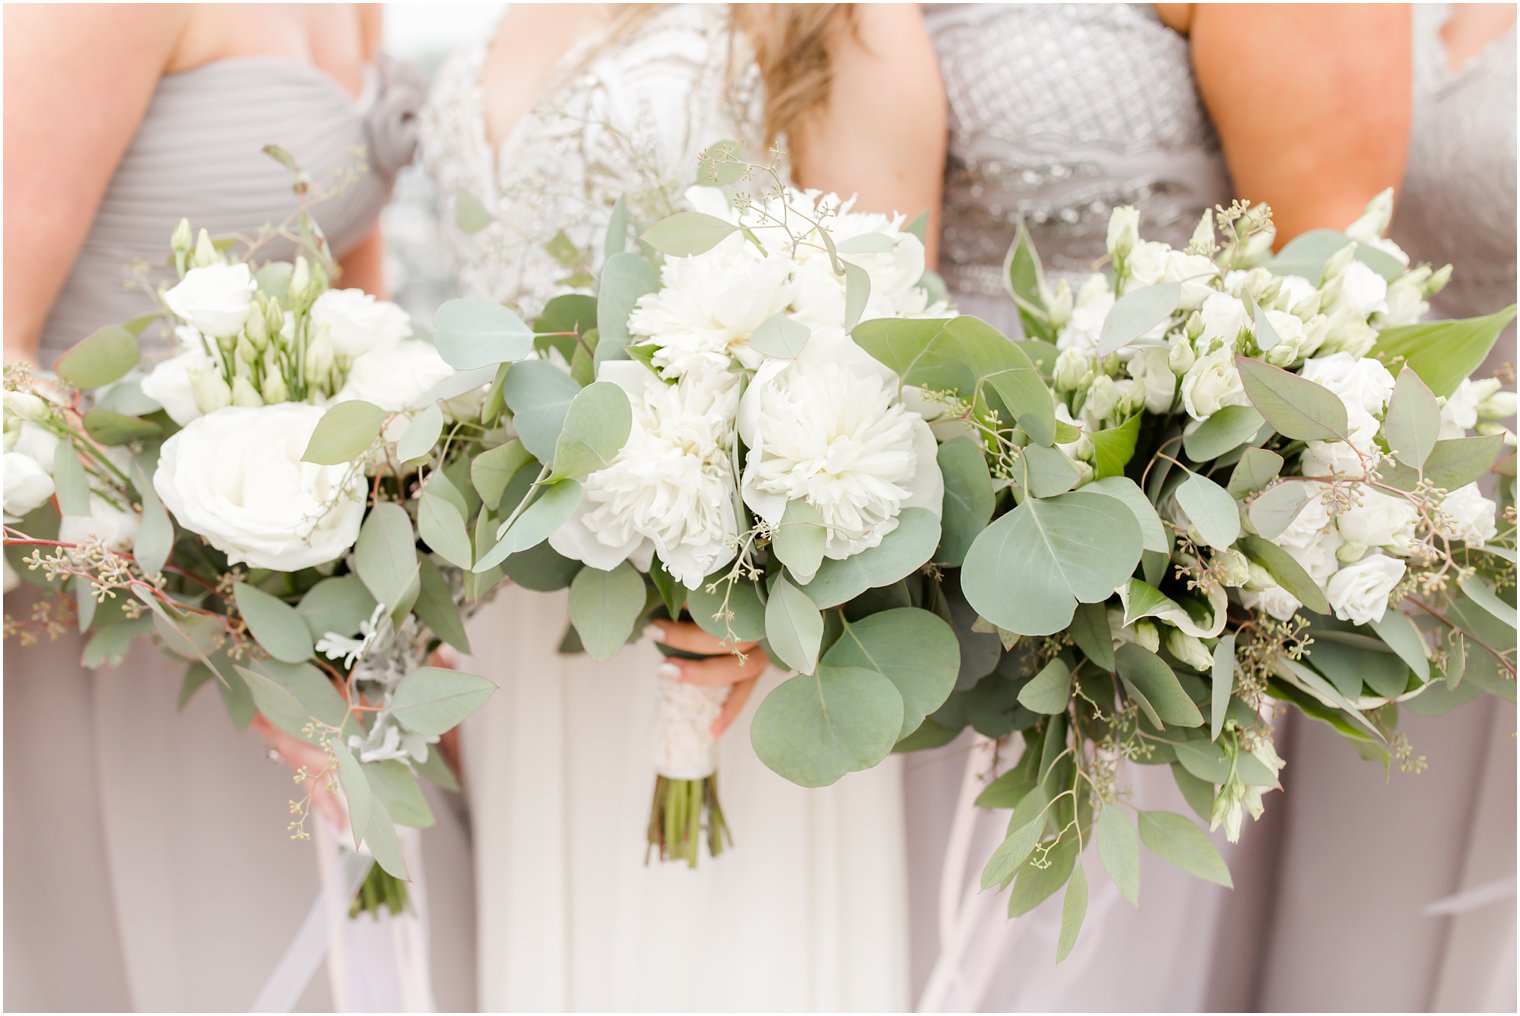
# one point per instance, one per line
(969, 498)
(1223, 432)
(813, 729)
(491, 470)
(274, 623)
(800, 539)
(912, 648)
(112, 429)
(1155, 688)
(1296, 407)
(441, 526)
(1049, 691)
(1119, 850)
(687, 233)
(625, 277)
(1114, 447)
(544, 515)
(1211, 510)
(1222, 685)
(1176, 840)
(385, 556)
(1030, 568)
(100, 359)
(595, 426)
(479, 333)
(779, 335)
(604, 606)
(1136, 313)
(421, 434)
(1413, 422)
(344, 433)
(1443, 353)
(539, 395)
(793, 627)
(434, 700)
(901, 552)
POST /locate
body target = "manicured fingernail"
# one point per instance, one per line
(669, 672)
(654, 632)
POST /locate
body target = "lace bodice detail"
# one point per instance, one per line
(1058, 113)
(622, 116)
(1457, 204)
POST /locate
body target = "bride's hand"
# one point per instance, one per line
(297, 754)
(725, 668)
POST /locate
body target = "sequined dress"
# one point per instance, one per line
(808, 910)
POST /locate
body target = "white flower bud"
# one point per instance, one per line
(1438, 281)
(206, 253)
(1181, 357)
(1073, 370)
(1373, 222)
(1350, 553)
(1059, 305)
(1123, 232)
(246, 351)
(274, 388)
(26, 406)
(1338, 262)
(1146, 635)
(1234, 568)
(244, 394)
(319, 357)
(209, 391)
(1203, 233)
(1189, 650)
(183, 239)
(1498, 406)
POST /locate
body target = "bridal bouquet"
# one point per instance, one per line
(281, 503)
(710, 441)
(1209, 483)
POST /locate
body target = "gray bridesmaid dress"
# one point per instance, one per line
(1059, 113)
(147, 863)
(1413, 876)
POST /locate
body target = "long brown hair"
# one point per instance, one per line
(791, 47)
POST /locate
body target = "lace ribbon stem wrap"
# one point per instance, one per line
(685, 804)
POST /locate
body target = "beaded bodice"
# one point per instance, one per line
(1058, 113)
(623, 116)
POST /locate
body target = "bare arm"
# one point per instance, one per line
(364, 265)
(882, 133)
(77, 83)
(1311, 102)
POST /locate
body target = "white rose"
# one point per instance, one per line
(670, 490)
(356, 322)
(214, 299)
(827, 428)
(1294, 294)
(1359, 592)
(1381, 520)
(112, 526)
(1224, 318)
(396, 377)
(1212, 383)
(1362, 383)
(236, 477)
(28, 485)
(1274, 600)
(1470, 516)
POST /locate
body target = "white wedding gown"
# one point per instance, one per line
(809, 908)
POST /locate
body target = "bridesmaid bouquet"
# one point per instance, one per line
(709, 441)
(280, 503)
(1209, 484)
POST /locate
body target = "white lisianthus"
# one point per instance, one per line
(1224, 318)
(1094, 300)
(1374, 220)
(1362, 383)
(1212, 383)
(171, 383)
(1406, 301)
(1151, 367)
(827, 429)
(1295, 295)
(396, 377)
(1352, 457)
(355, 322)
(1342, 332)
(708, 306)
(236, 477)
(115, 527)
(1273, 600)
(1152, 263)
(1357, 290)
(1359, 592)
(1469, 516)
(1294, 341)
(670, 490)
(28, 484)
(1460, 409)
(214, 299)
(818, 297)
(1380, 520)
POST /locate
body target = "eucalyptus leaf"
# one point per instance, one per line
(901, 552)
(1045, 472)
(1286, 571)
(1296, 407)
(781, 336)
(1413, 422)
(441, 526)
(857, 293)
(1011, 854)
(470, 214)
(794, 627)
(685, 234)
(1402, 636)
(969, 498)
(1153, 535)
(1481, 593)
(541, 518)
(624, 279)
(1030, 568)
(434, 700)
(344, 433)
(100, 359)
(1211, 510)
(800, 539)
(112, 429)
(1049, 691)
(1073, 910)
(479, 333)
(1136, 313)
(1459, 461)
(1222, 685)
(490, 471)
(392, 782)
(912, 648)
(1160, 693)
(743, 601)
(1273, 510)
(595, 427)
(356, 794)
(435, 606)
(1119, 850)
(1028, 398)
(1257, 468)
(421, 434)
(274, 623)
(539, 396)
(1226, 430)
(1036, 884)
(385, 556)
(604, 606)
(813, 729)
(1178, 841)
(154, 541)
